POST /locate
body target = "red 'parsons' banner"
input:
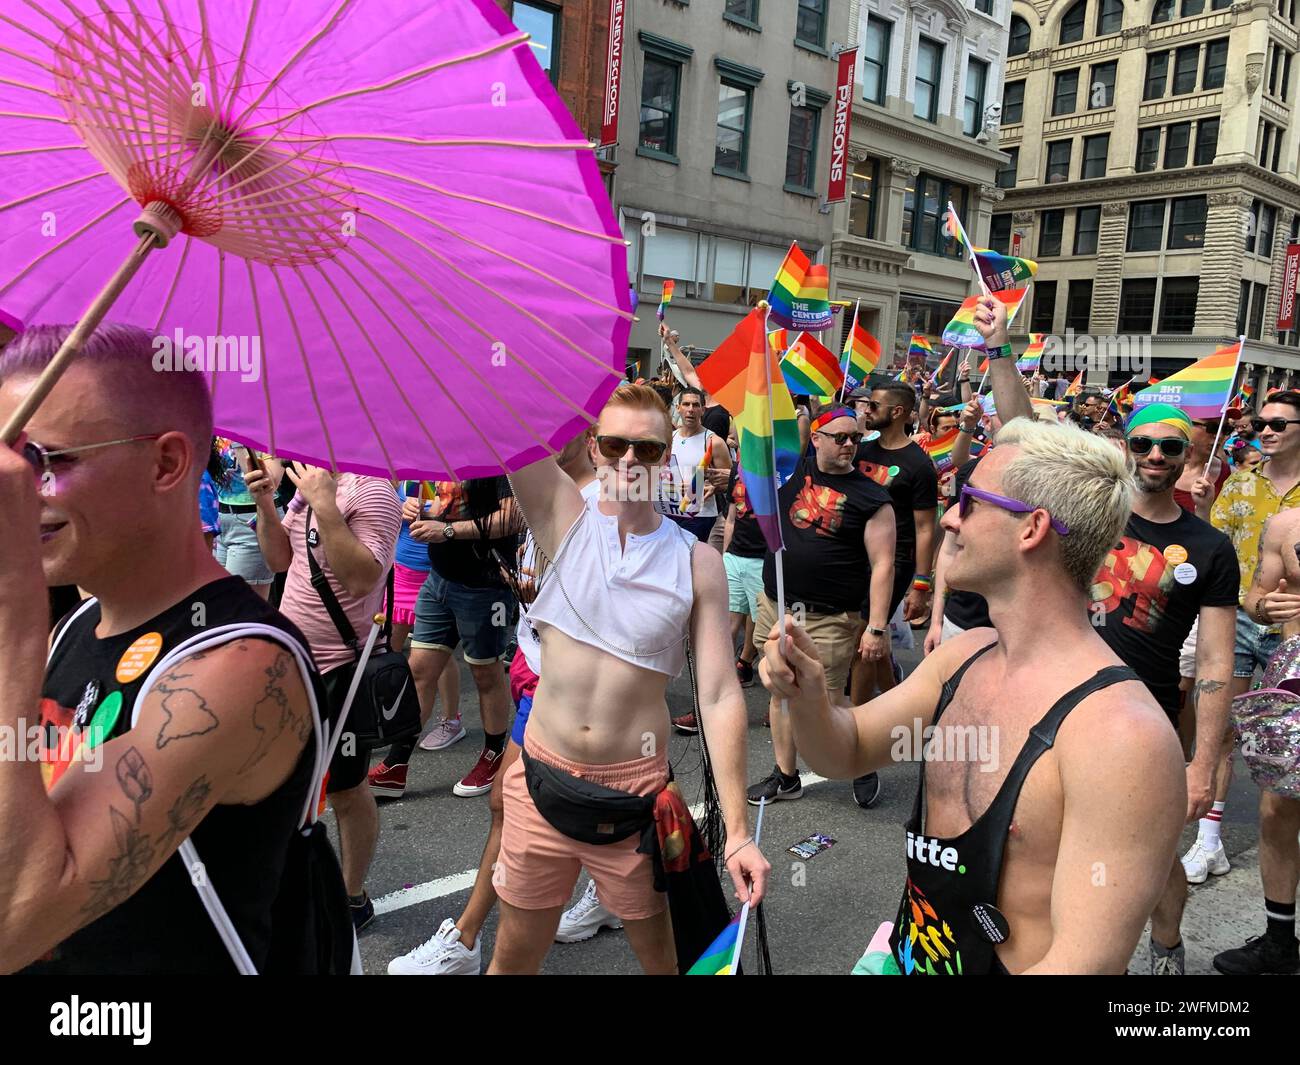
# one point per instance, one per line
(1286, 302)
(613, 74)
(842, 116)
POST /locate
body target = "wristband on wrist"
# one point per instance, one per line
(922, 584)
(1002, 352)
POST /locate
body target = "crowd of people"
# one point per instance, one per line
(1093, 586)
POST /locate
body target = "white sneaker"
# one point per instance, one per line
(585, 919)
(443, 734)
(443, 955)
(1200, 863)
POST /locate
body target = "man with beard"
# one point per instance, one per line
(1170, 569)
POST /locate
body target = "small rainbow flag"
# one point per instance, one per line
(943, 365)
(800, 295)
(716, 959)
(1076, 386)
(1201, 390)
(997, 272)
(939, 448)
(1032, 359)
(665, 299)
(810, 369)
(919, 348)
(861, 355)
(779, 341)
(961, 331)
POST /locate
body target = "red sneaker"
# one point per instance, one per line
(387, 782)
(478, 780)
(687, 724)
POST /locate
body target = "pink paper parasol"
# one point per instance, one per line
(386, 202)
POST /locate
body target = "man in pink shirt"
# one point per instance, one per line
(351, 525)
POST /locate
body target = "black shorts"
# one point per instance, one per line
(902, 582)
(351, 762)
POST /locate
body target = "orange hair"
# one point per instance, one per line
(641, 397)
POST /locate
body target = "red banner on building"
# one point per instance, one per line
(1286, 302)
(613, 74)
(842, 116)
(1015, 244)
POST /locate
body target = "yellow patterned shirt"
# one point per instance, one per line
(1247, 501)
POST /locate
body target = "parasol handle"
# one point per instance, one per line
(155, 227)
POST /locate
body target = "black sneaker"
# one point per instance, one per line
(866, 790)
(363, 912)
(686, 724)
(745, 673)
(1260, 956)
(773, 788)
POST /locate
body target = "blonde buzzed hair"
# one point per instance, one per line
(641, 397)
(1081, 479)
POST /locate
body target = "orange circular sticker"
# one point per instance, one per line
(139, 657)
(1176, 554)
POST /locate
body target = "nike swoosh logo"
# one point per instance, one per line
(390, 711)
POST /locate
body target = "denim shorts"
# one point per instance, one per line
(447, 614)
(236, 548)
(1254, 645)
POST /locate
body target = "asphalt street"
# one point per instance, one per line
(820, 913)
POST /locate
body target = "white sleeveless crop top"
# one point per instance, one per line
(633, 603)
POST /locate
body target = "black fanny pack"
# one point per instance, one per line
(583, 810)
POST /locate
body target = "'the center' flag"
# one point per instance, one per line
(800, 296)
(810, 368)
(1200, 390)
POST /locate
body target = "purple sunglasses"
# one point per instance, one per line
(1014, 505)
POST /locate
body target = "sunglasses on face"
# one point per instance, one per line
(841, 438)
(1016, 506)
(615, 447)
(40, 458)
(1278, 425)
(1170, 446)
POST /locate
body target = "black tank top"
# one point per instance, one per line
(948, 921)
(163, 928)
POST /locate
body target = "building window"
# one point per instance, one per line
(1252, 227)
(929, 65)
(1186, 62)
(875, 59)
(1043, 319)
(925, 201)
(1052, 223)
(1186, 223)
(1018, 41)
(1267, 220)
(1137, 304)
(744, 10)
(1148, 153)
(977, 74)
(1110, 16)
(1177, 138)
(1216, 64)
(1000, 233)
(542, 23)
(1058, 161)
(1178, 304)
(1078, 305)
(1087, 225)
(1243, 307)
(1146, 225)
(801, 148)
(660, 84)
(1013, 102)
(676, 254)
(1258, 298)
(731, 152)
(1157, 76)
(811, 26)
(1101, 87)
(1191, 7)
(1006, 176)
(1095, 150)
(1065, 92)
(984, 7)
(1163, 12)
(1072, 23)
(862, 198)
(1207, 142)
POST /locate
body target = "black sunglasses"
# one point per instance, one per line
(1170, 446)
(615, 447)
(1278, 425)
(841, 438)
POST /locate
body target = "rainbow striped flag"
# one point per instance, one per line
(1202, 389)
(997, 272)
(779, 341)
(943, 365)
(961, 331)
(1076, 386)
(1032, 359)
(1242, 399)
(800, 295)
(716, 959)
(665, 299)
(810, 368)
(919, 348)
(861, 355)
(939, 448)
(723, 373)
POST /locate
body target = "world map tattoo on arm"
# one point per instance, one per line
(273, 713)
(186, 711)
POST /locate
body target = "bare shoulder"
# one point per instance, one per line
(1121, 731)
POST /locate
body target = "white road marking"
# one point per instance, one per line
(450, 885)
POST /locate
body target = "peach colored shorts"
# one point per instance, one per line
(538, 866)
